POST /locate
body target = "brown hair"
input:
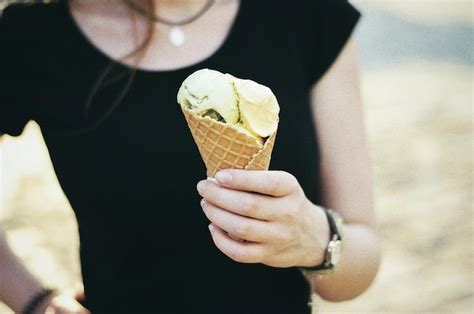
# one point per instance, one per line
(106, 77)
(148, 6)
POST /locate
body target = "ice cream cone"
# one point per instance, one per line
(224, 146)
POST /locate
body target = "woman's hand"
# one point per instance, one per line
(264, 217)
(66, 303)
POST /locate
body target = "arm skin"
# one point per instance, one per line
(346, 177)
(17, 284)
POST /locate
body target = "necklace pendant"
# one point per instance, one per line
(176, 36)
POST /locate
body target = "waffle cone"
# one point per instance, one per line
(223, 146)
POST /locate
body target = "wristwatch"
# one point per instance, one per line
(332, 257)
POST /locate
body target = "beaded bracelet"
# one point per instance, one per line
(36, 301)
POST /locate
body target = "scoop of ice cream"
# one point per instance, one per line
(250, 107)
(210, 93)
(258, 107)
(239, 126)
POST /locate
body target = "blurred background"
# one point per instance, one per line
(417, 79)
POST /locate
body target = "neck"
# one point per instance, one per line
(179, 3)
(178, 9)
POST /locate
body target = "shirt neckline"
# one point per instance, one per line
(231, 34)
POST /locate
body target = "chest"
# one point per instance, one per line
(144, 145)
(116, 35)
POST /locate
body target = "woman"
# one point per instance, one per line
(100, 78)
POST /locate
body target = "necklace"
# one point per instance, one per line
(176, 35)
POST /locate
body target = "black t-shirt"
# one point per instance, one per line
(131, 178)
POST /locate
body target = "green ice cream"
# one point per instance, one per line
(210, 93)
(250, 106)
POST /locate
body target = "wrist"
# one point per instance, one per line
(45, 305)
(332, 252)
(320, 237)
(39, 302)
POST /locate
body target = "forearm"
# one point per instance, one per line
(357, 269)
(17, 284)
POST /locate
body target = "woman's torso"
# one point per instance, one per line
(145, 246)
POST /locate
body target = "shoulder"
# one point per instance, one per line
(30, 19)
(327, 26)
(316, 11)
(304, 7)
(31, 31)
(307, 16)
(26, 31)
(20, 11)
(24, 10)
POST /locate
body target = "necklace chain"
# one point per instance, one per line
(166, 21)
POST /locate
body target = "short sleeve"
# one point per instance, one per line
(333, 24)
(15, 76)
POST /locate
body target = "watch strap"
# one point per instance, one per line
(333, 231)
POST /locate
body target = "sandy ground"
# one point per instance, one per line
(419, 121)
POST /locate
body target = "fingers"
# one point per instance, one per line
(78, 293)
(243, 203)
(275, 183)
(80, 297)
(243, 252)
(65, 303)
(242, 227)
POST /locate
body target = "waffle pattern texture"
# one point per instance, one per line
(223, 146)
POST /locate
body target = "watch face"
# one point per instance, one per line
(334, 250)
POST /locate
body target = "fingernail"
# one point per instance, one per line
(213, 180)
(211, 227)
(201, 186)
(223, 177)
(203, 202)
